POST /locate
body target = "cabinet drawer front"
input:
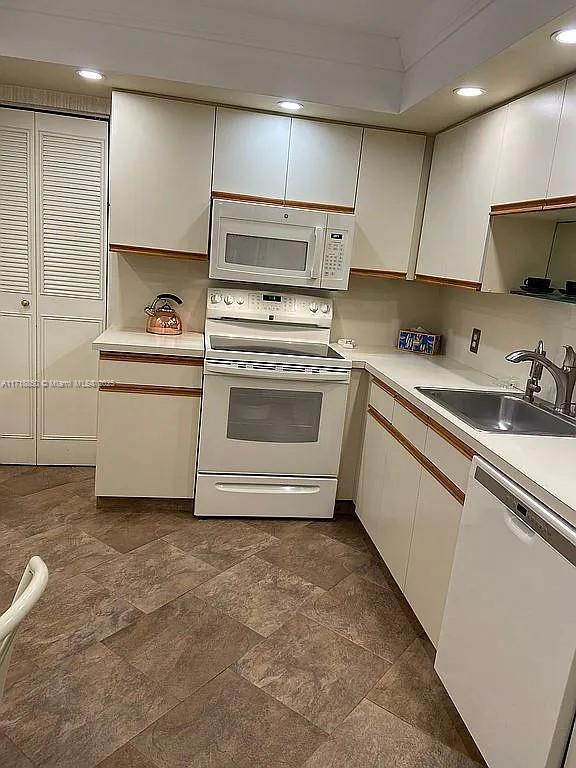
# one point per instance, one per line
(256, 495)
(449, 460)
(381, 400)
(132, 371)
(129, 425)
(410, 426)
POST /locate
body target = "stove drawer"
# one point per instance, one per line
(264, 496)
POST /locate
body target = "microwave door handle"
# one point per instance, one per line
(317, 261)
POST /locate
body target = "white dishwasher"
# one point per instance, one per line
(507, 646)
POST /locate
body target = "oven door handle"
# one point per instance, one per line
(283, 375)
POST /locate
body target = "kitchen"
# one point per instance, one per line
(269, 524)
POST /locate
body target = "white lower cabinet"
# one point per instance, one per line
(148, 420)
(431, 554)
(388, 496)
(410, 516)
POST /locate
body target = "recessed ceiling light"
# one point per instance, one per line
(565, 36)
(469, 91)
(90, 74)
(292, 106)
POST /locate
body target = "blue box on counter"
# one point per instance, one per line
(419, 341)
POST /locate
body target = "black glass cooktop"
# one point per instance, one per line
(274, 347)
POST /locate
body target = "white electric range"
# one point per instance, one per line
(273, 407)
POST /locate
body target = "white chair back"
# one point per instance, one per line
(32, 585)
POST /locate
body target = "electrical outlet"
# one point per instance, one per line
(475, 340)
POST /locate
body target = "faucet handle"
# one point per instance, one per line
(540, 348)
(569, 357)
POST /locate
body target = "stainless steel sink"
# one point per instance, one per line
(501, 412)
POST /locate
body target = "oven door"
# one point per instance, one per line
(272, 422)
(267, 244)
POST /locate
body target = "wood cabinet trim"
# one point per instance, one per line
(558, 203)
(246, 198)
(319, 206)
(166, 253)
(522, 206)
(441, 431)
(407, 405)
(461, 447)
(136, 357)
(468, 284)
(378, 273)
(384, 386)
(279, 201)
(150, 389)
(425, 462)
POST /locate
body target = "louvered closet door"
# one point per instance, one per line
(71, 238)
(17, 306)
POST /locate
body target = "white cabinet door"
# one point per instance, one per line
(401, 483)
(432, 553)
(389, 483)
(387, 201)
(17, 322)
(352, 438)
(371, 479)
(251, 153)
(460, 192)
(528, 146)
(323, 163)
(563, 177)
(160, 173)
(71, 304)
(147, 444)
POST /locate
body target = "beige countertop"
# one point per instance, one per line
(544, 466)
(138, 341)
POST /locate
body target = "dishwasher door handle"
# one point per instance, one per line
(518, 528)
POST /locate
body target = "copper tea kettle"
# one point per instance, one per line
(163, 319)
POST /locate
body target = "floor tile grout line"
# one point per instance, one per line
(418, 728)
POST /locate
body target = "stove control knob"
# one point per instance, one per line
(228, 299)
(313, 307)
(240, 300)
(325, 308)
(215, 298)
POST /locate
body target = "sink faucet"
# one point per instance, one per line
(564, 377)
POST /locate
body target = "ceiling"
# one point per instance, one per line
(380, 62)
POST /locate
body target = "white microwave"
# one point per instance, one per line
(259, 243)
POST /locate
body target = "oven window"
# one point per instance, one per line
(274, 415)
(266, 252)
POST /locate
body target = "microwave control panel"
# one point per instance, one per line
(337, 251)
(270, 306)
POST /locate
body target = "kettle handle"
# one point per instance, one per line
(171, 296)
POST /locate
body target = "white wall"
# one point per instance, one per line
(371, 311)
(134, 280)
(507, 323)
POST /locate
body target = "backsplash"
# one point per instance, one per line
(372, 311)
(507, 323)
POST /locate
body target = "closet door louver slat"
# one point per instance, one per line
(72, 212)
(15, 210)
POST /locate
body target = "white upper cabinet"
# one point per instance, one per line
(251, 153)
(323, 163)
(563, 177)
(387, 200)
(528, 146)
(460, 191)
(160, 173)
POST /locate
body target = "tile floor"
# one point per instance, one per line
(164, 641)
